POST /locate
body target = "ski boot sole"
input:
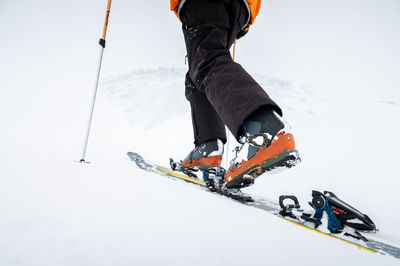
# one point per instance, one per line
(283, 161)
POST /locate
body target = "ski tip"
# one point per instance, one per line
(134, 155)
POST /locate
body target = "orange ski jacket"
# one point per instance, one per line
(253, 6)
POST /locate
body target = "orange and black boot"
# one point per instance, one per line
(205, 155)
(266, 146)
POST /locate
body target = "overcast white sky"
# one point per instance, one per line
(343, 45)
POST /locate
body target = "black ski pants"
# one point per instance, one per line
(219, 90)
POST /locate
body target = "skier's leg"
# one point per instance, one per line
(209, 29)
(208, 129)
(207, 125)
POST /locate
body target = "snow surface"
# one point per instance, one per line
(55, 211)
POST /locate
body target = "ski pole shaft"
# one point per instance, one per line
(103, 36)
(102, 43)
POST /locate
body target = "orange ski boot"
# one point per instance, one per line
(205, 155)
(266, 146)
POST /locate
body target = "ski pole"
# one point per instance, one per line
(102, 43)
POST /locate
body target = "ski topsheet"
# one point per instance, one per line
(366, 243)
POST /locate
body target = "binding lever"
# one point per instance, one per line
(320, 204)
(348, 215)
(286, 209)
(177, 166)
(214, 178)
